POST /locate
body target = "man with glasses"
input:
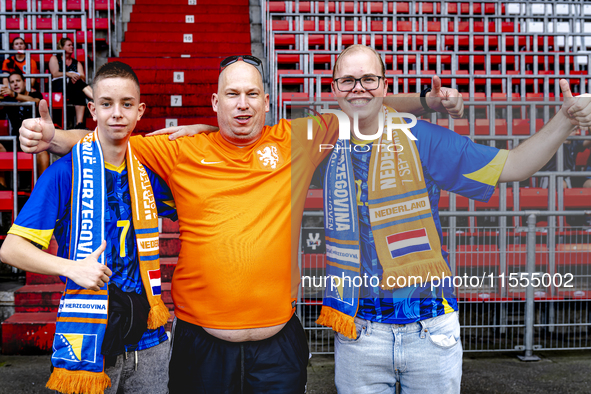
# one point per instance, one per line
(394, 330)
(240, 196)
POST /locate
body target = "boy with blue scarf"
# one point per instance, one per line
(100, 203)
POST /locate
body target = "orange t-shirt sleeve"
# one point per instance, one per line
(158, 153)
(325, 131)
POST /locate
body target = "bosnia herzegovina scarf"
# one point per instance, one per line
(403, 229)
(82, 314)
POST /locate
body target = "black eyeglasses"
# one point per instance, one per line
(368, 82)
(253, 61)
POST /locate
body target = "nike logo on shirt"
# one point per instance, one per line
(210, 162)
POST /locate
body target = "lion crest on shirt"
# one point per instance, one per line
(269, 156)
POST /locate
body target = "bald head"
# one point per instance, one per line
(240, 103)
(240, 72)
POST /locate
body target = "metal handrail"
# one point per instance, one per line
(28, 82)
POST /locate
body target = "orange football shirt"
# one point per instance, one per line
(240, 211)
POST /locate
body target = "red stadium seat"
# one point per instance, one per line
(13, 23)
(573, 254)
(483, 256)
(4, 130)
(533, 198)
(517, 255)
(44, 23)
(290, 81)
(75, 5)
(24, 162)
(582, 157)
(489, 8)
(7, 202)
(312, 261)
(49, 5)
(577, 198)
(462, 202)
(21, 5)
(103, 5)
(292, 96)
(71, 23)
(348, 7)
(57, 101)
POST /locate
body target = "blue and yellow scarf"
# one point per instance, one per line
(404, 232)
(82, 314)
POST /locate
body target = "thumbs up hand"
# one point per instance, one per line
(89, 273)
(36, 134)
(576, 109)
(446, 100)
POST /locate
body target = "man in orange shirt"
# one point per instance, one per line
(240, 195)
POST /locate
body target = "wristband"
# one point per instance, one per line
(424, 100)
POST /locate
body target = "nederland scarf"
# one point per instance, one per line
(82, 314)
(403, 229)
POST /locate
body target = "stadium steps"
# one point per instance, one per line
(38, 298)
(168, 64)
(173, 7)
(178, 88)
(212, 18)
(164, 39)
(173, 27)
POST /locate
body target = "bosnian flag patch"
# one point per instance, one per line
(155, 282)
(408, 242)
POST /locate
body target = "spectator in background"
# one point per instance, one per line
(17, 92)
(18, 62)
(76, 88)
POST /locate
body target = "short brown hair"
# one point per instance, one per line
(115, 70)
(353, 48)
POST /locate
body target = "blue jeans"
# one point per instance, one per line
(425, 357)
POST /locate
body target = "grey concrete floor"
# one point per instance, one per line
(566, 372)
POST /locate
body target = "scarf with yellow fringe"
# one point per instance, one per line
(82, 314)
(404, 232)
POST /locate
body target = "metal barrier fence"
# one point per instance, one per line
(28, 54)
(529, 8)
(34, 11)
(14, 152)
(520, 290)
(542, 83)
(514, 43)
(55, 31)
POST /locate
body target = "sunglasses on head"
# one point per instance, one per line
(253, 61)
